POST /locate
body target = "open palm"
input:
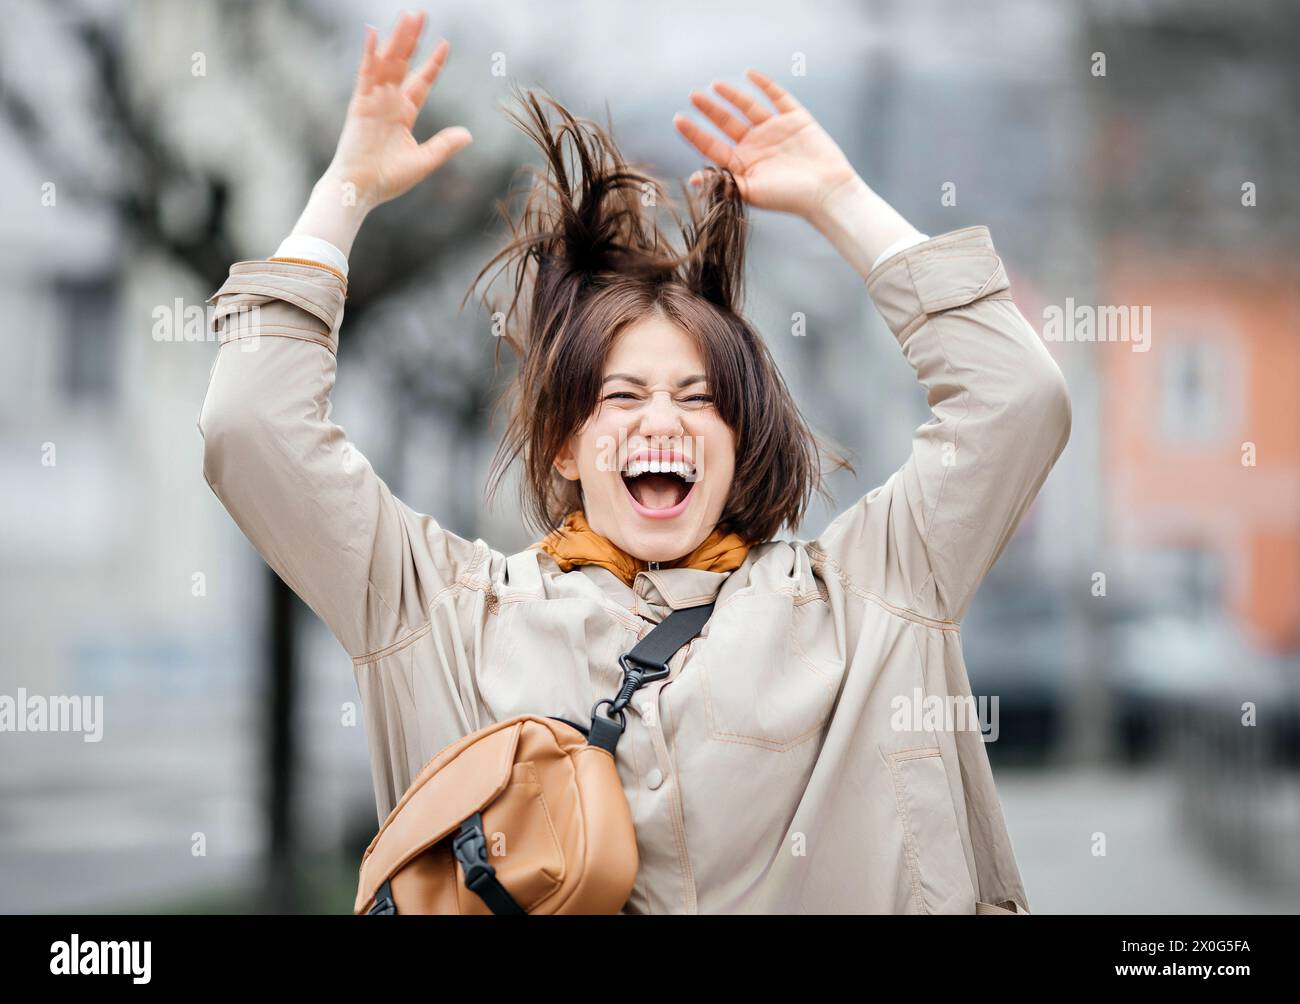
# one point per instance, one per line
(377, 151)
(783, 160)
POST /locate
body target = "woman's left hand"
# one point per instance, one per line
(782, 159)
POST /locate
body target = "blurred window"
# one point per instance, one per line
(1199, 394)
(88, 329)
(1189, 579)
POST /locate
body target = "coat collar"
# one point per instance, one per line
(653, 594)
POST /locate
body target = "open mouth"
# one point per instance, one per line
(659, 489)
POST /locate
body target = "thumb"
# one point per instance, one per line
(443, 145)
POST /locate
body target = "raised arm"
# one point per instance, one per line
(304, 496)
(1001, 412)
(1000, 418)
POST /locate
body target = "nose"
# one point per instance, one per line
(661, 416)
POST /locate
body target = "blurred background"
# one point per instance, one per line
(1141, 634)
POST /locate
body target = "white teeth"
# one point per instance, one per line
(681, 468)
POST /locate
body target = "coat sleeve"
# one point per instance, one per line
(305, 497)
(1001, 416)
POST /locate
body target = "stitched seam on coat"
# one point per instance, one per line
(267, 266)
(902, 612)
(916, 752)
(770, 745)
(273, 327)
(740, 594)
(466, 580)
(449, 590)
(315, 264)
(615, 612)
(397, 646)
(679, 830)
(226, 340)
(693, 600)
(909, 840)
(783, 745)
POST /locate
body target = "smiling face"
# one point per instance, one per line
(655, 459)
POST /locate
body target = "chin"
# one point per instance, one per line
(663, 543)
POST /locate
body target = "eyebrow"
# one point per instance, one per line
(685, 382)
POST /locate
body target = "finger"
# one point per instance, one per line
(752, 108)
(719, 116)
(708, 144)
(366, 73)
(417, 84)
(403, 41)
(705, 142)
(778, 95)
(443, 145)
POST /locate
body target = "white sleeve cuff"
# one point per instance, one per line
(313, 249)
(902, 244)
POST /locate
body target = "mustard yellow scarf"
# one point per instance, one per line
(576, 543)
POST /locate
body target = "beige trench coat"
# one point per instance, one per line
(771, 771)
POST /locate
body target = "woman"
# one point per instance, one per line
(785, 764)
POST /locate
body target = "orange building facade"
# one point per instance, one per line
(1200, 438)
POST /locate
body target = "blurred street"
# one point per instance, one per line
(1153, 864)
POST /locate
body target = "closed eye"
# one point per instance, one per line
(624, 395)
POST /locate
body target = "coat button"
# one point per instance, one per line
(655, 778)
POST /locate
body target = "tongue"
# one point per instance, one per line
(657, 491)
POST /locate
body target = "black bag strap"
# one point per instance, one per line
(670, 634)
(647, 661)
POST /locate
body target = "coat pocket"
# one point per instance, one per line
(936, 861)
(760, 688)
(1009, 906)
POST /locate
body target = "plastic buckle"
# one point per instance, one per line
(470, 848)
(384, 905)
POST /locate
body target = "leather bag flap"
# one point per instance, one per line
(465, 785)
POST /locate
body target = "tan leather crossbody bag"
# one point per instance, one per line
(525, 816)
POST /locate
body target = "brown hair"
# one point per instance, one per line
(588, 259)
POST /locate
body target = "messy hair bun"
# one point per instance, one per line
(586, 216)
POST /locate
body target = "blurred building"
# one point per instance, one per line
(1202, 430)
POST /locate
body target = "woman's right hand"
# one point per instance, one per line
(377, 153)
